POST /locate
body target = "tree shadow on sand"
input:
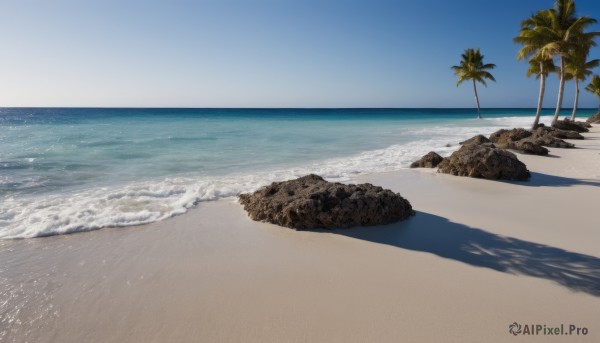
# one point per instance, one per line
(547, 180)
(437, 235)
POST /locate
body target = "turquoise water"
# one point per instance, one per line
(66, 170)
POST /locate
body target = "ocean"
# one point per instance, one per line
(65, 170)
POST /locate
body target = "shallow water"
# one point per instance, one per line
(67, 170)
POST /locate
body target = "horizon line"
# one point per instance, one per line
(286, 108)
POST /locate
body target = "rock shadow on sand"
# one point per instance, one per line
(437, 235)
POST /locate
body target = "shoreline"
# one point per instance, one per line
(134, 183)
(478, 256)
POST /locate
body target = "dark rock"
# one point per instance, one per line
(562, 134)
(477, 140)
(543, 137)
(569, 125)
(311, 202)
(502, 137)
(484, 162)
(430, 160)
(595, 119)
(519, 140)
(528, 147)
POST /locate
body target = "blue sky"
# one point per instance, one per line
(265, 53)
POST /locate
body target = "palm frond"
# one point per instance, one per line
(594, 86)
(471, 67)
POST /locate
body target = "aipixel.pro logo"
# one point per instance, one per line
(516, 329)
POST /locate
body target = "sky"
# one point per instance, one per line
(266, 53)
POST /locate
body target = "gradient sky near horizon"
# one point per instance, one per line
(265, 53)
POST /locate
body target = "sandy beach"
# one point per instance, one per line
(478, 256)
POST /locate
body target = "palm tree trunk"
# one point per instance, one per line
(538, 113)
(477, 100)
(576, 99)
(561, 90)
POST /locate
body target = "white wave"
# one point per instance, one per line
(150, 201)
(519, 121)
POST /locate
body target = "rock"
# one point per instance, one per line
(484, 162)
(569, 125)
(477, 140)
(430, 160)
(311, 202)
(562, 134)
(502, 137)
(595, 119)
(542, 137)
(519, 140)
(528, 147)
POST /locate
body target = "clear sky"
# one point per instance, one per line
(265, 53)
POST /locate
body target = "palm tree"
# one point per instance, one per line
(594, 88)
(541, 70)
(578, 69)
(555, 32)
(472, 68)
(538, 66)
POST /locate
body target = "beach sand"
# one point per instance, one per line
(478, 256)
